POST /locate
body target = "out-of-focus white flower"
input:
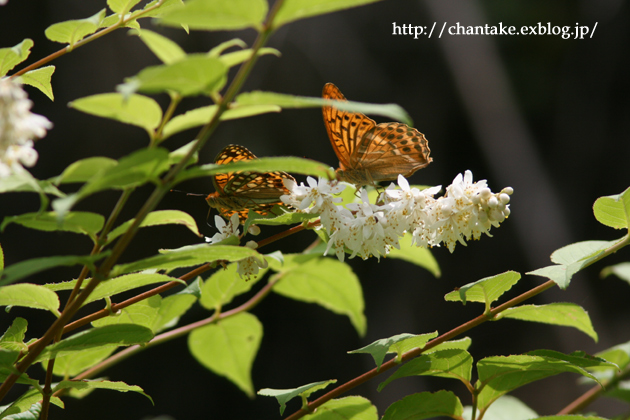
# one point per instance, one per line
(249, 267)
(3, 2)
(225, 230)
(467, 210)
(18, 127)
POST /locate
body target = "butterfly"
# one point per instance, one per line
(370, 152)
(242, 191)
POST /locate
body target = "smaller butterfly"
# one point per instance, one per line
(242, 191)
(368, 152)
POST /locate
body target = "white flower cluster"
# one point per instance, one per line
(466, 211)
(247, 267)
(18, 127)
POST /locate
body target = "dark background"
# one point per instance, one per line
(545, 115)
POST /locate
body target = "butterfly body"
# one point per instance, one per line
(368, 152)
(241, 191)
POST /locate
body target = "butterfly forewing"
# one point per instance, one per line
(241, 191)
(368, 152)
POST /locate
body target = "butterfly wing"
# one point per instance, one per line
(392, 148)
(241, 191)
(345, 129)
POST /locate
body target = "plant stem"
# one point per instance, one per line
(341, 389)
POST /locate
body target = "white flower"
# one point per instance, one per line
(225, 230)
(18, 127)
(250, 266)
(467, 210)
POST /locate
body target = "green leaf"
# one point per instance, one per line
(188, 257)
(124, 283)
(84, 169)
(137, 110)
(194, 75)
(224, 285)
(30, 296)
(486, 290)
(1, 258)
(565, 314)
(40, 79)
(291, 101)
(425, 405)
(266, 164)
(171, 309)
(122, 7)
(101, 337)
(13, 337)
(463, 343)
(165, 49)
(506, 407)
(326, 282)
(613, 210)
(158, 218)
(292, 10)
(419, 256)
(100, 384)
(24, 182)
(133, 170)
(25, 401)
(278, 216)
(166, 6)
(570, 417)
(218, 14)
(73, 31)
(200, 116)
(571, 259)
(499, 375)
(142, 313)
(398, 344)
(450, 363)
(228, 348)
(285, 395)
(11, 57)
(621, 270)
(238, 57)
(26, 268)
(71, 364)
(77, 222)
(355, 408)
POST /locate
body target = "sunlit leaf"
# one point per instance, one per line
(72, 31)
(425, 405)
(285, 395)
(40, 79)
(293, 10)
(355, 408)
(220, 288)
(486, 290)
(164, 48)
(100, 384)
(419, 256)
(613, 210)
(398, 344)
(159, 218)
(30, 296)
(82, 222)
(26, 268)
(228, 348)
(326, 282)
(217, 14)
(11, 57)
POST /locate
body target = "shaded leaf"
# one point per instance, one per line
(506, 407)
(425, 405)
(100, 384)
(82, 222)
(26, 401)
(450, 363)
(71, 364)
(84, 169)
(26, 268)
(291, 101)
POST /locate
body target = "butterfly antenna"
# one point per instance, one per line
(189, 193)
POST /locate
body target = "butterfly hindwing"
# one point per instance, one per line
(368, 152)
